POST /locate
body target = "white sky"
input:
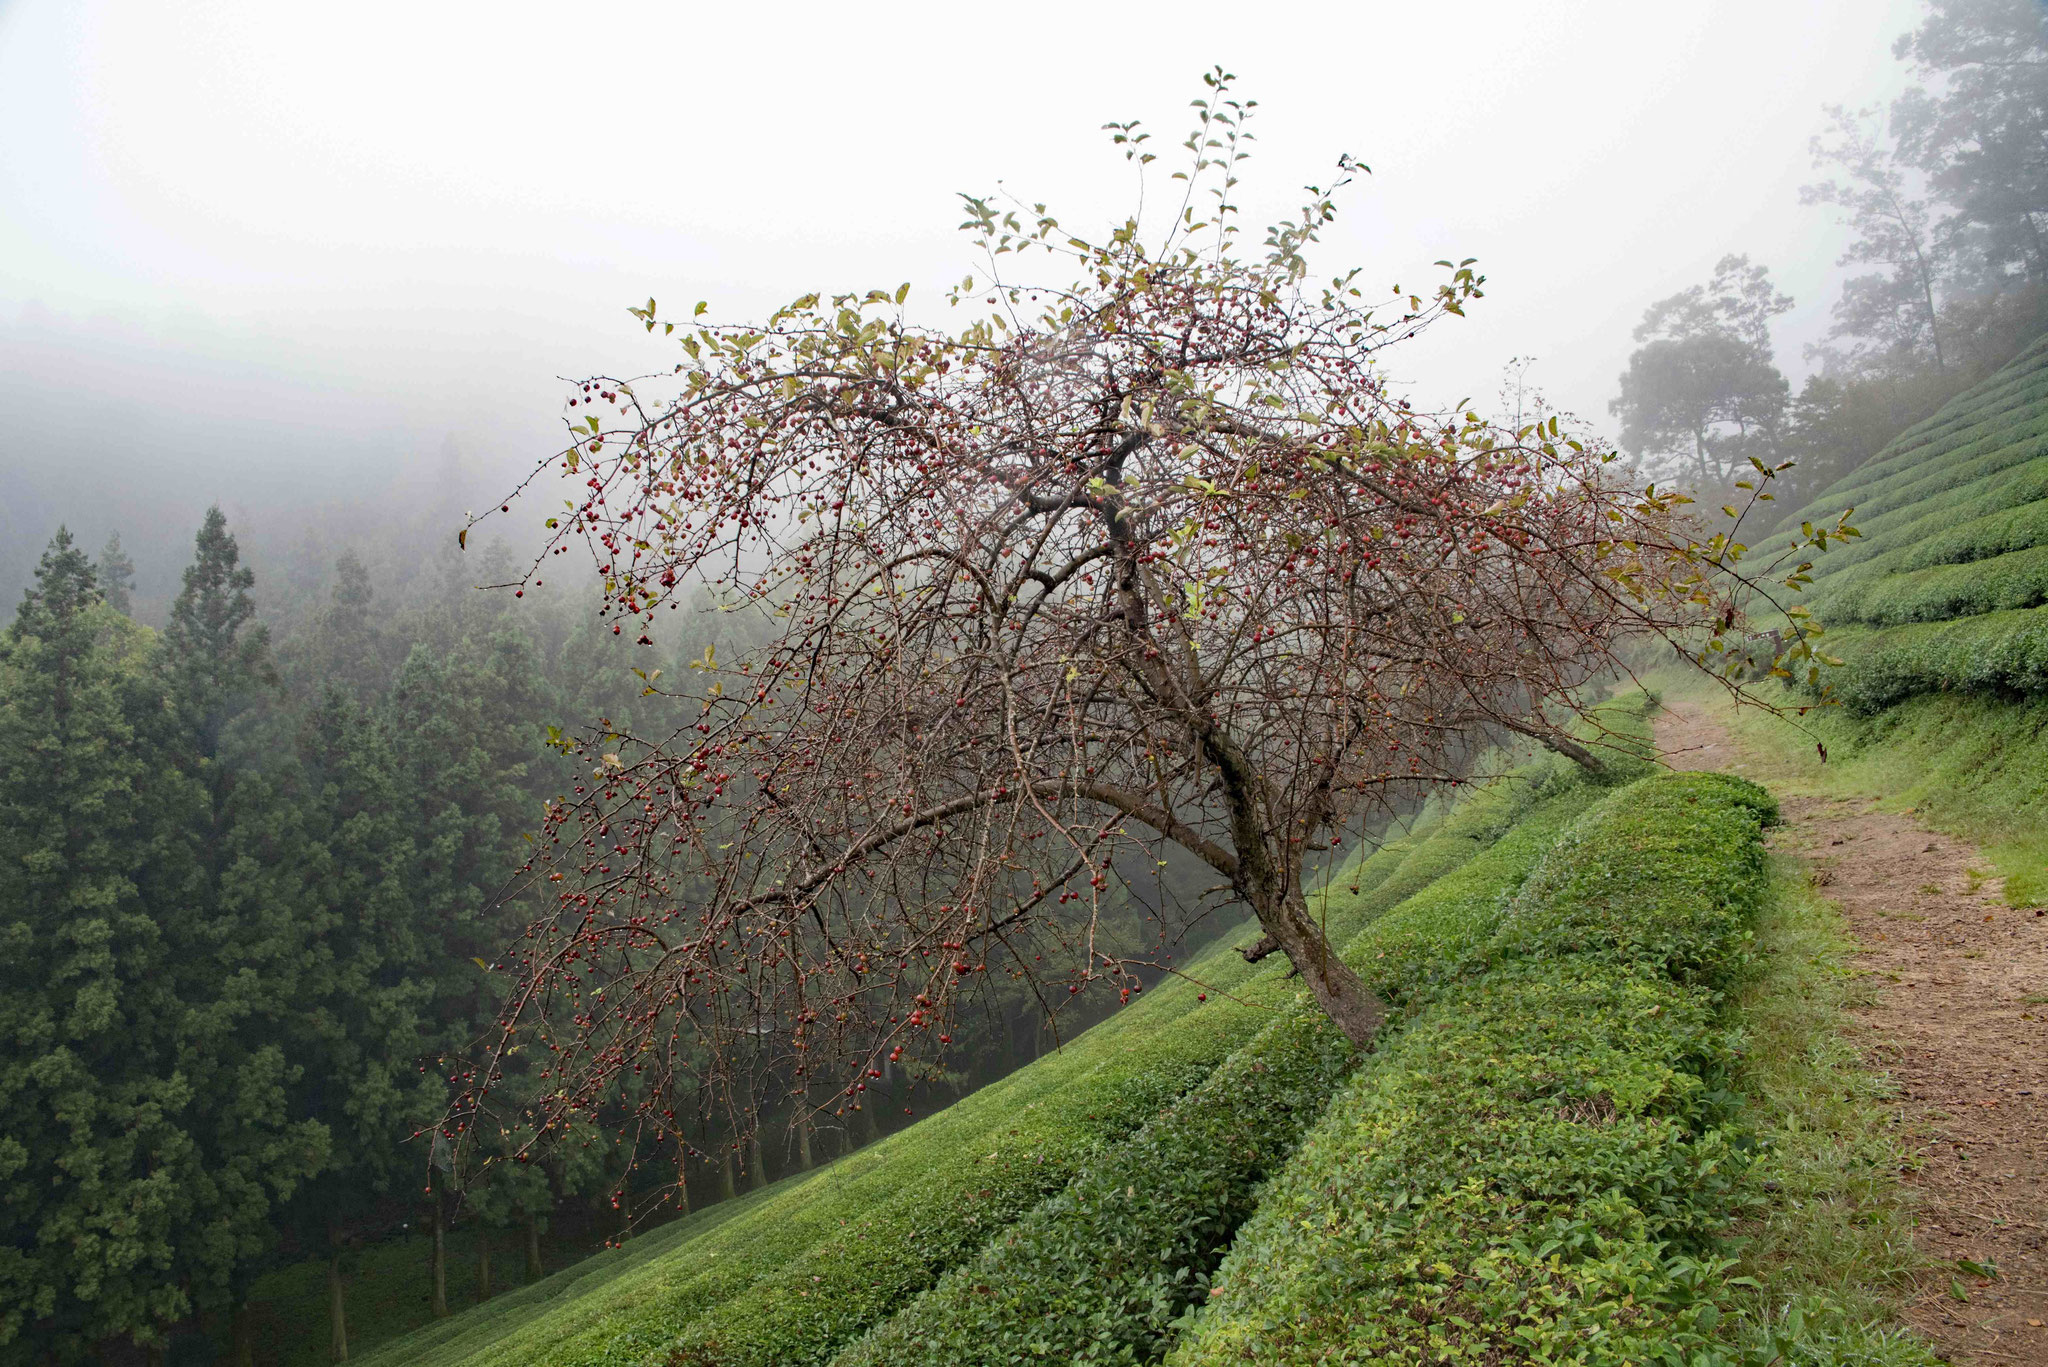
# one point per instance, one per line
(341, 233)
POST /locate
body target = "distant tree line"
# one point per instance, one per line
(1945, 199)
(251, 888)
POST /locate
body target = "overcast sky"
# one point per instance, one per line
(249, 249)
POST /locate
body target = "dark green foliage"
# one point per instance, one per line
(1665, 877)
(1532, 1169)
(2000, 582)
(1100, 1272)
(1502, 1185)
(2000, 653)
(95, 1154)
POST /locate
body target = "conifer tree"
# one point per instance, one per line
(96, 1163)
(116, 575)
(349, 645)
(365, 1021)
(226, 893)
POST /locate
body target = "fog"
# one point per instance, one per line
(325, 267)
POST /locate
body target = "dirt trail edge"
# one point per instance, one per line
(1958, 1017)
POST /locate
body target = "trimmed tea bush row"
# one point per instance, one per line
(933, 1193)
(1944, 592)
(1990, 456)
(1904, 529)
(1961, 442)
(1997, 653)
(1995, 518)
(956, 1177)
(1099, 1273)
(1532, 1170)
(803, 1311)
(2017, 526)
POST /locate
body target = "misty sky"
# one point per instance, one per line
(273, 254)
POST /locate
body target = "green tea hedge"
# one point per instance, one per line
(1999, 653)
(2018, 579)
(1099, 1273)
(1533, 1169)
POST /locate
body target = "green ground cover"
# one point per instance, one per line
(821, 1259)
(1972, 764)
(1537, 1167)
(1825, 1251)
(1954, 522)
(1101, 1272)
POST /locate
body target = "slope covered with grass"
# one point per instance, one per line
(818, 1261)
(1120, 1128)
(1537, 1167)
(1540, 1159)
(1945, 589)
(1939, 612)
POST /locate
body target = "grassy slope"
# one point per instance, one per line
(1827, 1243)
(1603, 987)
(1938, 611)
(1972, 765)
(1534, 1169)
(917, 1189)
(1945, 590)
(1101, 1272)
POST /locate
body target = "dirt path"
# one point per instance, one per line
(1959, 1019)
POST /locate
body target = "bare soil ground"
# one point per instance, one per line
(1958, 1017)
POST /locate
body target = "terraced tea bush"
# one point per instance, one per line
(817, 1261)
(1534, 1169)
(1100, 1272)
(2000, 653)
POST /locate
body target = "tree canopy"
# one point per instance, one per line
(1149, 557)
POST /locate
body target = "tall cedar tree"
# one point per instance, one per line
(230, 917)
(97, 1166)
(116, 575)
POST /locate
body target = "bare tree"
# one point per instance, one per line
(1149, 558)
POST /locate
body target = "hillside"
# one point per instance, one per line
(1944, 591)
(1939, 611)
(1541, 1156)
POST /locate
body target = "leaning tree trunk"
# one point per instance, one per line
(1341, 993)
(1288, 927)
(533, 1267)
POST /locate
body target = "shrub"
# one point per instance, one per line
(2015, 580)
(1099, 1273)
(1665, 875)
(1533, 1169)
(2000, 653)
